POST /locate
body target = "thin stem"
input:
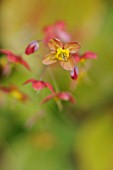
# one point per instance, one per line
(43, 72)
(58, 102)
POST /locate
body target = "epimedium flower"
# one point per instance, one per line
(13, 58)
(14, 92)
(66, 96)
(39, 85)
(57, 30)
(32, 47)
(61, 52)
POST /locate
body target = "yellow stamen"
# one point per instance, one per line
(62, 54)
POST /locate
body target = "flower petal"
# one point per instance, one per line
(73, 47)
(38, 85)
(50, 87)
(6, 52)
(69, 64)
(76, 57)
(32, 47)
(54, 44)
(23, 62)
(49, 59)
(49, 97)
(66, 96)
(64, 36)
(89, 55)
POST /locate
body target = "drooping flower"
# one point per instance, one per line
(13, 91)
(32, 47)
(74, 73)
(62, 53)
(57, 30)
(39, 85)
(13, 58)
(87, 55)
(66, 96)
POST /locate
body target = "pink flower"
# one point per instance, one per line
(74, 73)
(14, 92)
(39, 85)
(62, 53)
(13, 58)
(32, 47)
(66, 96)
(56, 30)
(87, 55)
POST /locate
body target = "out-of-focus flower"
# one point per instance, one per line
(32, 47)
(14, 92)
(87, 55)
(43, 140)
(5, 67)
(66, 96)
(62, 53)
(39, 85)
(74, 73)
(56, 30)
(13, 58)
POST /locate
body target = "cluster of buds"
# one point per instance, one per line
(61, 49)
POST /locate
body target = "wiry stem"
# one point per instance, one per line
(58, 102)
(43, 72)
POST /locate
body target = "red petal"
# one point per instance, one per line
(49, 97)
(29, 81)
(5, 89)
(50, 87)
(66, 96)
(74, 73)
(24, 63)
(38, 85)
(6, 52)
(76, 57)
(89, 55)
(32, 47)
(63, 96)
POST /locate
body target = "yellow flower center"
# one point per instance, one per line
(62, 54)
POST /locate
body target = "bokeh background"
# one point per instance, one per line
(80, 137)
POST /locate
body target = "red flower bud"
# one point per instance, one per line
(74, 73)
(32, 47)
